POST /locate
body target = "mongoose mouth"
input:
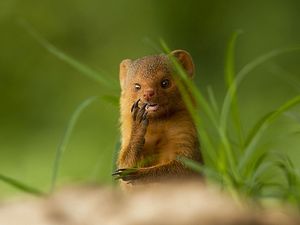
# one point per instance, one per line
(151, 107)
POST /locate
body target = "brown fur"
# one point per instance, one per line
(152, 144)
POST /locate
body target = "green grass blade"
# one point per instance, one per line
(291, 192)
(152, 44)
(261, 170)
(116, 154)
(20, 186)
(191, 164)
(200, 168)
(183, 82)
(260, 127)
(230, 59)
(257, 162)
(256, 128)
(242, 74)
(213, 100)
(196, 93)
(187, 87)
(210, 154)
(66, 137)
(90, 73)
(229, 78)
(287, 166)
(257, 176)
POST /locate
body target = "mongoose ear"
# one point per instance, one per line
(186, 61)
(123, 71)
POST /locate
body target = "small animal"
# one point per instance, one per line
(156, 127)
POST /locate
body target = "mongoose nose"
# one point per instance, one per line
(148, 94)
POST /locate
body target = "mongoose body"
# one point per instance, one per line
(156, 127)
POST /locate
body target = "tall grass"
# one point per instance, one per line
(105, 82)
(20, 185)
(240, 167)
(66, 138)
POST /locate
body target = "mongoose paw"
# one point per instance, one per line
(135, 105)
(139, 115)
(127, 174)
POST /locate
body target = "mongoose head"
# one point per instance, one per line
(150, 79)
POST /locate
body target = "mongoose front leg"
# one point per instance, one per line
(130, 155)
(154, 173)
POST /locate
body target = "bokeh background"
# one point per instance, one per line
(39, 92)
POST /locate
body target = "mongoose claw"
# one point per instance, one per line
(125, 174)
(142, 112)
(145, 116)
(135, 105)
(117, 171)
(135, 109)
(139, 115)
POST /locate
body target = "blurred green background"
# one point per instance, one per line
(38, 92)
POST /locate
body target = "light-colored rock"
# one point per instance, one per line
(168, 204)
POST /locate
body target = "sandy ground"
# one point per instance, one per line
(185, 203)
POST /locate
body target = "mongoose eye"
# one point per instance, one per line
(137, 86)
(165, 83)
